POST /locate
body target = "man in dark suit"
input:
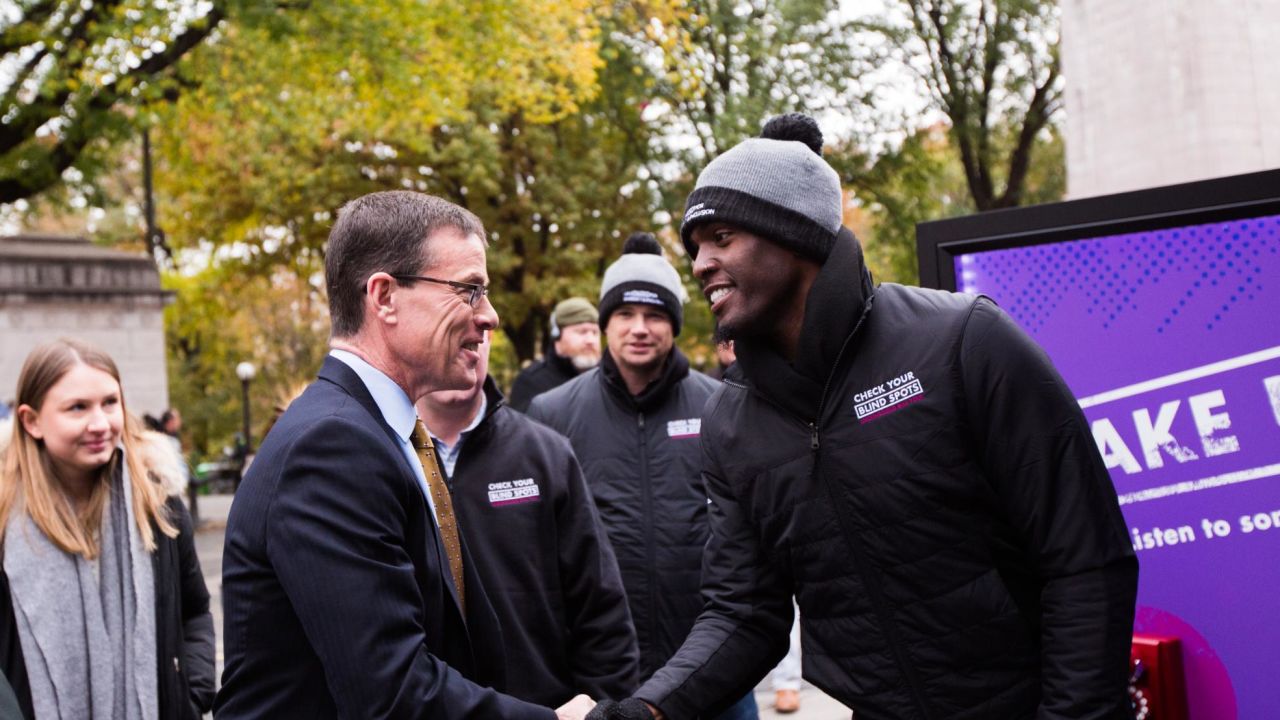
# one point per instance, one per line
(346, 592)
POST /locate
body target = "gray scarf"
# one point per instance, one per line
(89, 644)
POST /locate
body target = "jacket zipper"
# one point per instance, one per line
(650, 551)
(835, 367)
(887, 624)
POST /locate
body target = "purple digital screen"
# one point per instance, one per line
(1170, 340)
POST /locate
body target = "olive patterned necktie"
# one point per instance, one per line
(444, 506)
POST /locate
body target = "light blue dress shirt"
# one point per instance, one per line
(449, 453)
(397, 411)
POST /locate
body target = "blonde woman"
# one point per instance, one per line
(103, 610)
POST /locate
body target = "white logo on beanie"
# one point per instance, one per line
(647, 297)
(698, 211)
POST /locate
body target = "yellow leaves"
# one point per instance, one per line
(281, 100)
(541, 58)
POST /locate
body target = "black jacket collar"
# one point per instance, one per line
(493, 400)
(561, 363)
(675, 369)
(833, 309)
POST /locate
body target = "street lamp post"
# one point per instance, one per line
(245, 371)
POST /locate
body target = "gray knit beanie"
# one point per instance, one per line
(776, 186)
(642, 276)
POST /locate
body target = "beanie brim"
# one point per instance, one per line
(641, 293)
(780, 225)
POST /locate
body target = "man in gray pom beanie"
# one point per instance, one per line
(906, 463)
(642, 276)
(634, 423)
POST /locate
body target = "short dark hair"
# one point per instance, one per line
(387, 232)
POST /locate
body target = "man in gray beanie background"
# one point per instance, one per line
(574, 349)
(634, 423)
(905, 462)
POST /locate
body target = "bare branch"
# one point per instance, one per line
(1038, 113)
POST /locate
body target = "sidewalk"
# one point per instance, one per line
(814, 705)
(213, 511)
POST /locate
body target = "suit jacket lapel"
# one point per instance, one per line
(341, 374)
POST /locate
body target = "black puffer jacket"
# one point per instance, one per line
(937, 505)
(642, 462)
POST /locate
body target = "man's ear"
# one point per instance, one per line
(380, 291)
(29, 418)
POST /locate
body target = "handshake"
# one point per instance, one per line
(584, 708)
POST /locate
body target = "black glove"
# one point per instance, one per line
(629, 709)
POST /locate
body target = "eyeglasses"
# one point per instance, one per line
(474, 291)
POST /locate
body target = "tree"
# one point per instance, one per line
(221, 317)
(508, 109)
(922, 179)
(74, 70)
(551, 155)
(992, 67)
(727, 65)
(721, 67)
(916, 181)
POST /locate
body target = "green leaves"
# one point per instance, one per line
(564, 126)
(73, 71)
(504, 107)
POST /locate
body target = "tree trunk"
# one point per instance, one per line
(524, 337)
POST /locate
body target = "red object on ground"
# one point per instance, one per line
(1157, 683)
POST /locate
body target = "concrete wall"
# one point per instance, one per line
(1168, 91)
(133, 333)
(52, 287)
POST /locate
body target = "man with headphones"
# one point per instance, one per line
(576, 349)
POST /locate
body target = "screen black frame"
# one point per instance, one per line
(1238, 197)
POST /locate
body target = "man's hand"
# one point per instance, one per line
(629, 709)
(575, 709)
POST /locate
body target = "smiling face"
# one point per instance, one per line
(434, 335)
(639, 337)
(78, 422)
(754, 286)
(470, 396)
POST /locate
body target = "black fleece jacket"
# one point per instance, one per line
(545, 561)
(925, 484)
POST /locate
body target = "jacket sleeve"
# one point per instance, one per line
(197, 621)
(12, 663)
(603, 653)
(335, 536)
(745, 625)
(1041, 460)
